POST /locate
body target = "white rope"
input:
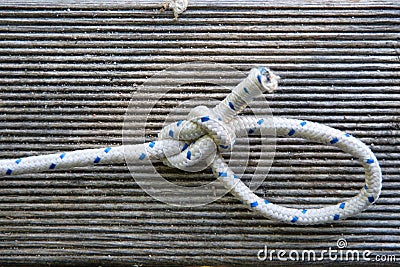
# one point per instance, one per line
(210, 131)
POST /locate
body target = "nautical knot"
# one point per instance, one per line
(210, 131)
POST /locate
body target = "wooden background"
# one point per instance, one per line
(67, 71)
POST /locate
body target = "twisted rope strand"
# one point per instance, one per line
(207, 132)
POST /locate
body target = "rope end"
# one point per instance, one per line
(266, 79)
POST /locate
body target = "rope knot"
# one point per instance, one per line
(209, 131)
(200, 137)
(221, 133)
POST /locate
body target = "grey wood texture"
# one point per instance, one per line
(67, 72)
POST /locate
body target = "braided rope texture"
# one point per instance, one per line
(207, 132)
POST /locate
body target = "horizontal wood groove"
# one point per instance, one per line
(68, 70)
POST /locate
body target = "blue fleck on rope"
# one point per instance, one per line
(208, 131)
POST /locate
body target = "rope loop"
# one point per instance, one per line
(195, 144)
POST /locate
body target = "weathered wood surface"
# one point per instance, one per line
(67, 71)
